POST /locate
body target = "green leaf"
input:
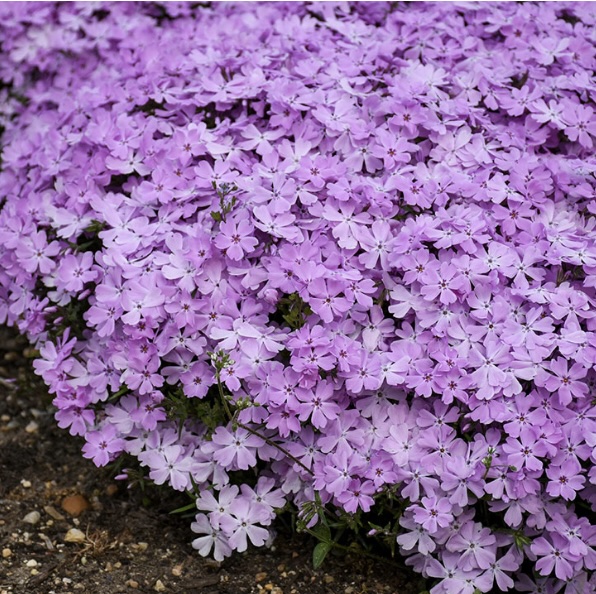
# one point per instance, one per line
(319, 553)
(322, 532)
(184, 508)
(521, 540)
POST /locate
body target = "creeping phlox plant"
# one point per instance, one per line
(337, 258)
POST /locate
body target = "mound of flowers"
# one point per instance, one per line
(333, 258)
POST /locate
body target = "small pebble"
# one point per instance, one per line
(177, 570)
(349, 590)
(111, 490)
(132, 584)
(328, 579)
(32, 517)
(25, 483)
(47, 542)
(74, 535)
(32, 427)
(259, 577)
(53, 512)
(159, 586)
(6, 553)
(31, 563)
(142, 546)
(74, 505)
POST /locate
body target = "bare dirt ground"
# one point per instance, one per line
(125, 541)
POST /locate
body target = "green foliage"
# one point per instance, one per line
(89, 240)
(319, 553)
(118, 394)
(208, 410)
(293, 310)
(226, 203)
(68, 316)
(520, 539)
(149, 107)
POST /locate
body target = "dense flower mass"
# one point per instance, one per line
(322, 256)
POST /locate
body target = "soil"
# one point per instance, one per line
(127, 541)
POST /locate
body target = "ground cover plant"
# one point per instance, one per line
(333, 258)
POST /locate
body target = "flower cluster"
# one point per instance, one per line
(287, 253)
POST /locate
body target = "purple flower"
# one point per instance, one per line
(476, 545)
(236, 239)
(35, 253)
(579, 124)
(103, 445)
(240, 524)
(375, 226)
(320, 405)
(565, 480)
(358, 494)
(434, 513)
(213, 539)
(554, 556)
(168, 464)
(564, 380)
(497, 572)
(74, 272)
(235, 449)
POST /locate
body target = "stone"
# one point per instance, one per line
(32, 427)
(177, 570)
(159, 586)
(74, 535)
(75, 505)
(32, 517)
(53, 512)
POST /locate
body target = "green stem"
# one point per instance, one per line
(359, 551)
(223, 396)
(253, 431)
